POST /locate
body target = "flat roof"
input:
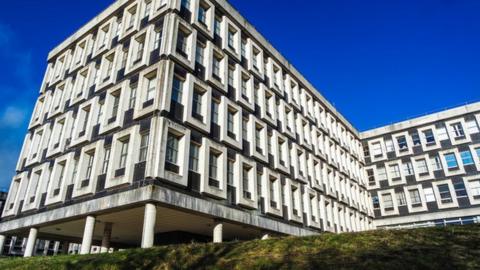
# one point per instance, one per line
(423, 120)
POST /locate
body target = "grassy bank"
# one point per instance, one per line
(431, 248)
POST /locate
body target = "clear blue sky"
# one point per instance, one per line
(377, 61)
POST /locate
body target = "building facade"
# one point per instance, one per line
(426, 171)
(165, 121)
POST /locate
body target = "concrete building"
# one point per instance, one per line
(425, 171)
(166, 121)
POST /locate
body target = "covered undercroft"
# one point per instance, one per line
(144, 217)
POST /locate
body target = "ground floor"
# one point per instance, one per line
(141, 217)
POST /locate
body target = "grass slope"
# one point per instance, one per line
(431, 248)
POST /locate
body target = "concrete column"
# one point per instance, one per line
(65, 247)
(218, 233)
(2, 243)
(87, 235)
(32, 238)
(107, 235)
(56, 248)
(149, 220)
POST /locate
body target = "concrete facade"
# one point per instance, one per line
(181, 114)
(426, 171)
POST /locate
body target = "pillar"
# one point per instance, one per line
(2, 243)
(149, 220)
(87, 235)
(107, 235)
(32, 238)
(65, 247)
(218, 233)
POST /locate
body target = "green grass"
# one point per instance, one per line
(431, 248)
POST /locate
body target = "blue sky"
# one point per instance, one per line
(377, 61)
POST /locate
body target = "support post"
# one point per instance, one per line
(87, 235)
(107, 235)
(149, 220)
(218, 232)
(2, 243)
(32, 238)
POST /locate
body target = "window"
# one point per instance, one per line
(244, 128)
(429, 195)
(243, 48)
(215, 111)
(131, 17)
(177, 89)
(216, 67)
(460, 190)
(194, 157)
(213, 165)
(230, 176)
(377, 149)
(389, 145)
(445, 195)
(116, 103)
(475, 188)
(140, 49)
(395, 171)
(231, 38)
(422, 166)
(245, 182)
(467, 158)
(408, 168)
(244, 87)
(133, 96)
(106, 160)
(202, 15)
(402, 143)
(376, 202)
(472, 126)
(144, 141)
(90, 158)
(429, 137)
(61, 177)
(185, 4)
(231, 71)
(436, 163)
(172, 148)
(197, 104)
(451, 160)
(151, 87)
(217, 26)
(371, 177)
(294, 201)
(258, 140)
(402, 200)
(199, 53)
(182, 38)
(458, 130)
(148, 8)
(387, 201)
(477, 150)
(415, 196)
(382, 173)
(416, 139)
(273, 195)
(123, 153)
(230, 124)
(158, 38)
